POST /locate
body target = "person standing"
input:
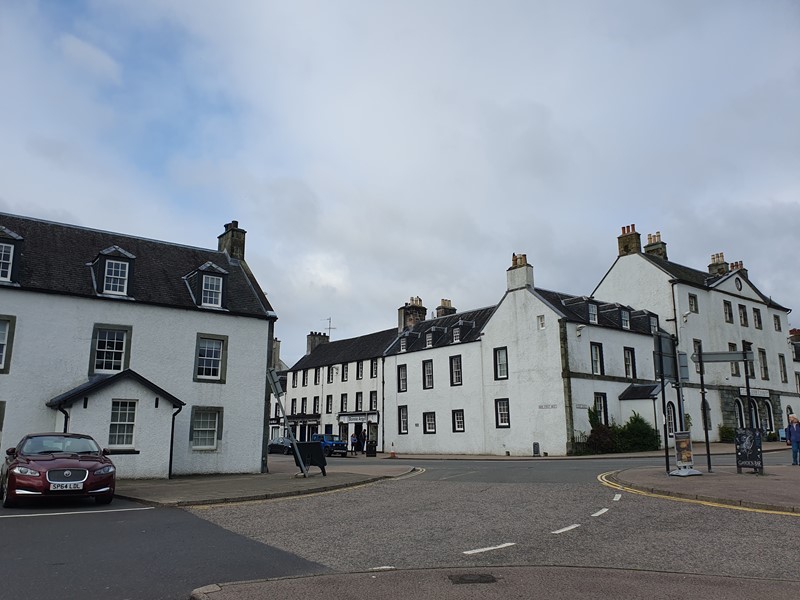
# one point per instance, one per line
(354, 443)
(793, 438)
(362, 438)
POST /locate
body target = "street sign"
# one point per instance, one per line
(713, 357)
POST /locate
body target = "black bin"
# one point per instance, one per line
(372, 448)
(312, 455)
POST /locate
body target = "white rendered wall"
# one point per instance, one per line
(51, 355)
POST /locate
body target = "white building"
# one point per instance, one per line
(157, 350)
(495, 380)
(722, 310)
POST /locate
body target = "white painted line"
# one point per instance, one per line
(617, 497)
(566, 528)
(479, 550)
(386, 568)
(85, 512)
(600, 512)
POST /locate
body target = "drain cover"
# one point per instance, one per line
(472, 578)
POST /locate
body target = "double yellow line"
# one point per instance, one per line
(604, 479)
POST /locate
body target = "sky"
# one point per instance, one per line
(379, 150)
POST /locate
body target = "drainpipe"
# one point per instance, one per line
(66, 418)
(172, 441)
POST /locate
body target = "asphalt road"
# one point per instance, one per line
(454, 514)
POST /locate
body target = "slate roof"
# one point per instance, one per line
(364, 347)
(53, 258)
(469, 323)
(704, 279)
(576, 309)
(641, 391)
(98, 382)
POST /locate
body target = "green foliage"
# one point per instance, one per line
(727, 434)
(635, 436)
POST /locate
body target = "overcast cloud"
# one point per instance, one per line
(380, 150)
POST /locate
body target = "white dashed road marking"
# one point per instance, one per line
(566, 528)
(479, 550)
(600, 512)
(617, 497)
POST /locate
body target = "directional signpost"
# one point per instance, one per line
(749, 454)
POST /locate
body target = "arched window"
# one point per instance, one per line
(769, 419)
(670, 418)
(755, 417)
(739, 413)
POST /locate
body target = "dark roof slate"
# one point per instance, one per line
(98, 382)
(704, 279)
(53, 258)
(365, 347)
(469, 323)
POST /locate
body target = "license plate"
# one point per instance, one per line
(67, 486)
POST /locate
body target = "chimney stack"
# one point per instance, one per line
(655, 247)
(411, 313)
(520, 274)
(718, 266)
(445, 308)
(314, 339)
(629, 242)
(232, 241)
(739, 266)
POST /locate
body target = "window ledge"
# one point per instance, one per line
(122, 451)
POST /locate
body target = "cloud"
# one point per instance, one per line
(90, 59)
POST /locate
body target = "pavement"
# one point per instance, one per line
(776, 490)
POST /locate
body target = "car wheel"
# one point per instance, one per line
(104, 498)
(328, 452)
(8, 502)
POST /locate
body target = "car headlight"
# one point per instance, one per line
(105, 470)
(20, 470)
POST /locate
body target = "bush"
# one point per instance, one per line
(602, 440)
(637, 436)
(727, 434)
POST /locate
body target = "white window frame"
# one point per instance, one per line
(6, 342)
(345, 373)
(501, 363)
(122, 430)
(402, 378)
(101, 351)
(211, 294)
(735, 371)
(781, 367)
(429, 422)
(776, 322)
(601, 407)
(727, 309)
(762, 363)
(373, 368)
(360, 369)
(115, 280)
(456, 335)
(429, 340)
(6, 261)
(592, 313)
(403, 344)
(456, 374)
(625, 319)
(205, 427)
(694, 306)
(210, 357)
(359, 401)
(458, 421)
(671, 419)
(373, 400)
(402, 420)
(596, 349)
(427, 374)
(743, 320)
(757, 323)
(502, 413)
(629, 358)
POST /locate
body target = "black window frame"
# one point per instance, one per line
(456, 358)
(599, 346)
(126, 358)
(425, 384)
(223, 363)
(11, 324)
(402, 378)
(425, 429)
(497, 423)
(496, 355)
(625, 351)
(457, 411)
(402, 415)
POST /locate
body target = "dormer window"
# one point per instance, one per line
(402, 344)
(6, 261)
(212, 290)
(456, 334)
(625, 318)
(116, 277)
(207, 285)
(653, 325)
(112, 272)
(429, 339)
(593, 314)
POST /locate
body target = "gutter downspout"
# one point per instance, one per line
(172, 441)
(66, 418)
(678, 384)
(567, 382)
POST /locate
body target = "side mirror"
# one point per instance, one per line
(106, 451)
(11, 452)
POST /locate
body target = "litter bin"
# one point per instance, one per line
(312, 455)
(372, 447)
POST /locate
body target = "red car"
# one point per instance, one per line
(56, 465)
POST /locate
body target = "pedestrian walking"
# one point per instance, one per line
(793, 438)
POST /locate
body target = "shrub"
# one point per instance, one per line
(727, 434)
(637, 435)
(602, 440)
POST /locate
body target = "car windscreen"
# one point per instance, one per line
(47, 444)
